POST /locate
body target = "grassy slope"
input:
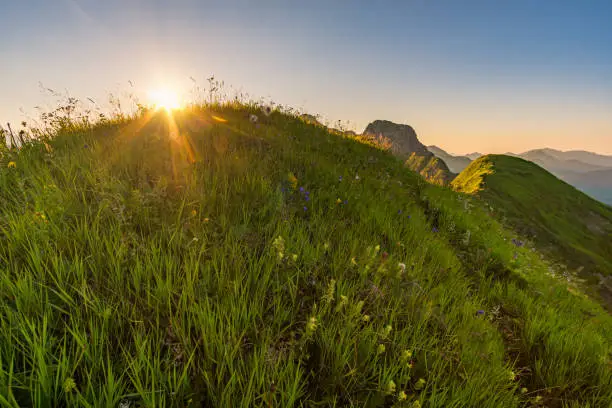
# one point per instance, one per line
(563, 221)
(145, 268)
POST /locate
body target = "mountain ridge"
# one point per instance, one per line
(564, 222)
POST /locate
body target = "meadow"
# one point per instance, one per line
(232, 256)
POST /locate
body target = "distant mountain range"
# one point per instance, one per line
(587, 171)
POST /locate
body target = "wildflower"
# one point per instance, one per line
(340, 178)
(312, 325)
(406, 354)
(329, 294)
(381, 349)
(206, 219)
(480, 312)
(391, 387)
(512, 375)
(86, 146)
(420, 384)
(253, 118)
(402, 267)
(343, 302)
(416, 404)
(279, 245)
(292, 180)
(386, 331)
(538, 399)
(326, 246)
(434, 229)
(410, 364)
(353, 261)
(69, 385)
(12, 165)
(356, 176)
(399, 212)
(377, 248)
(305, 208)
(402, 396)
(366, 318)
(524, 390)
(294, 257)
(267, 110)
(301, 189)
(194, 213)
(338, 200)
(345, 202)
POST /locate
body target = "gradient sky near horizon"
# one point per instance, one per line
(472, 75)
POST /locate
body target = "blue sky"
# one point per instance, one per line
(470, 75)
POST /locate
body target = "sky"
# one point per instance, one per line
(474, 75)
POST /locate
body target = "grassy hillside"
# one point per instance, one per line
(206, 260)
(561, 220)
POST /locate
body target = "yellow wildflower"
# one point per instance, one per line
(69, 385)
(12, 165)
(312, 325)
(391, 387)
(381, 349)
(406, 354)
(292, 180)
(402, 396)
(420, 384)
(338, 200)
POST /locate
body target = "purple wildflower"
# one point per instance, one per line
(301, 189)
(434, 229)
(305, 208)
(86, 146)
(345, 202)
(340, 178)
(480, 312)
(399, 212)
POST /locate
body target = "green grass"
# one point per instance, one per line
(563, 222)
(179, 263)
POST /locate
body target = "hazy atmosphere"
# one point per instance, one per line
(469, 76)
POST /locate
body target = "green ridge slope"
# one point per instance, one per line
(562, 221)
(205, 260)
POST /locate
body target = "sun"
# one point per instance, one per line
(165, 98)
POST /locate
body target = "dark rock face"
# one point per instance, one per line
(403, 137)
(405, 144)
